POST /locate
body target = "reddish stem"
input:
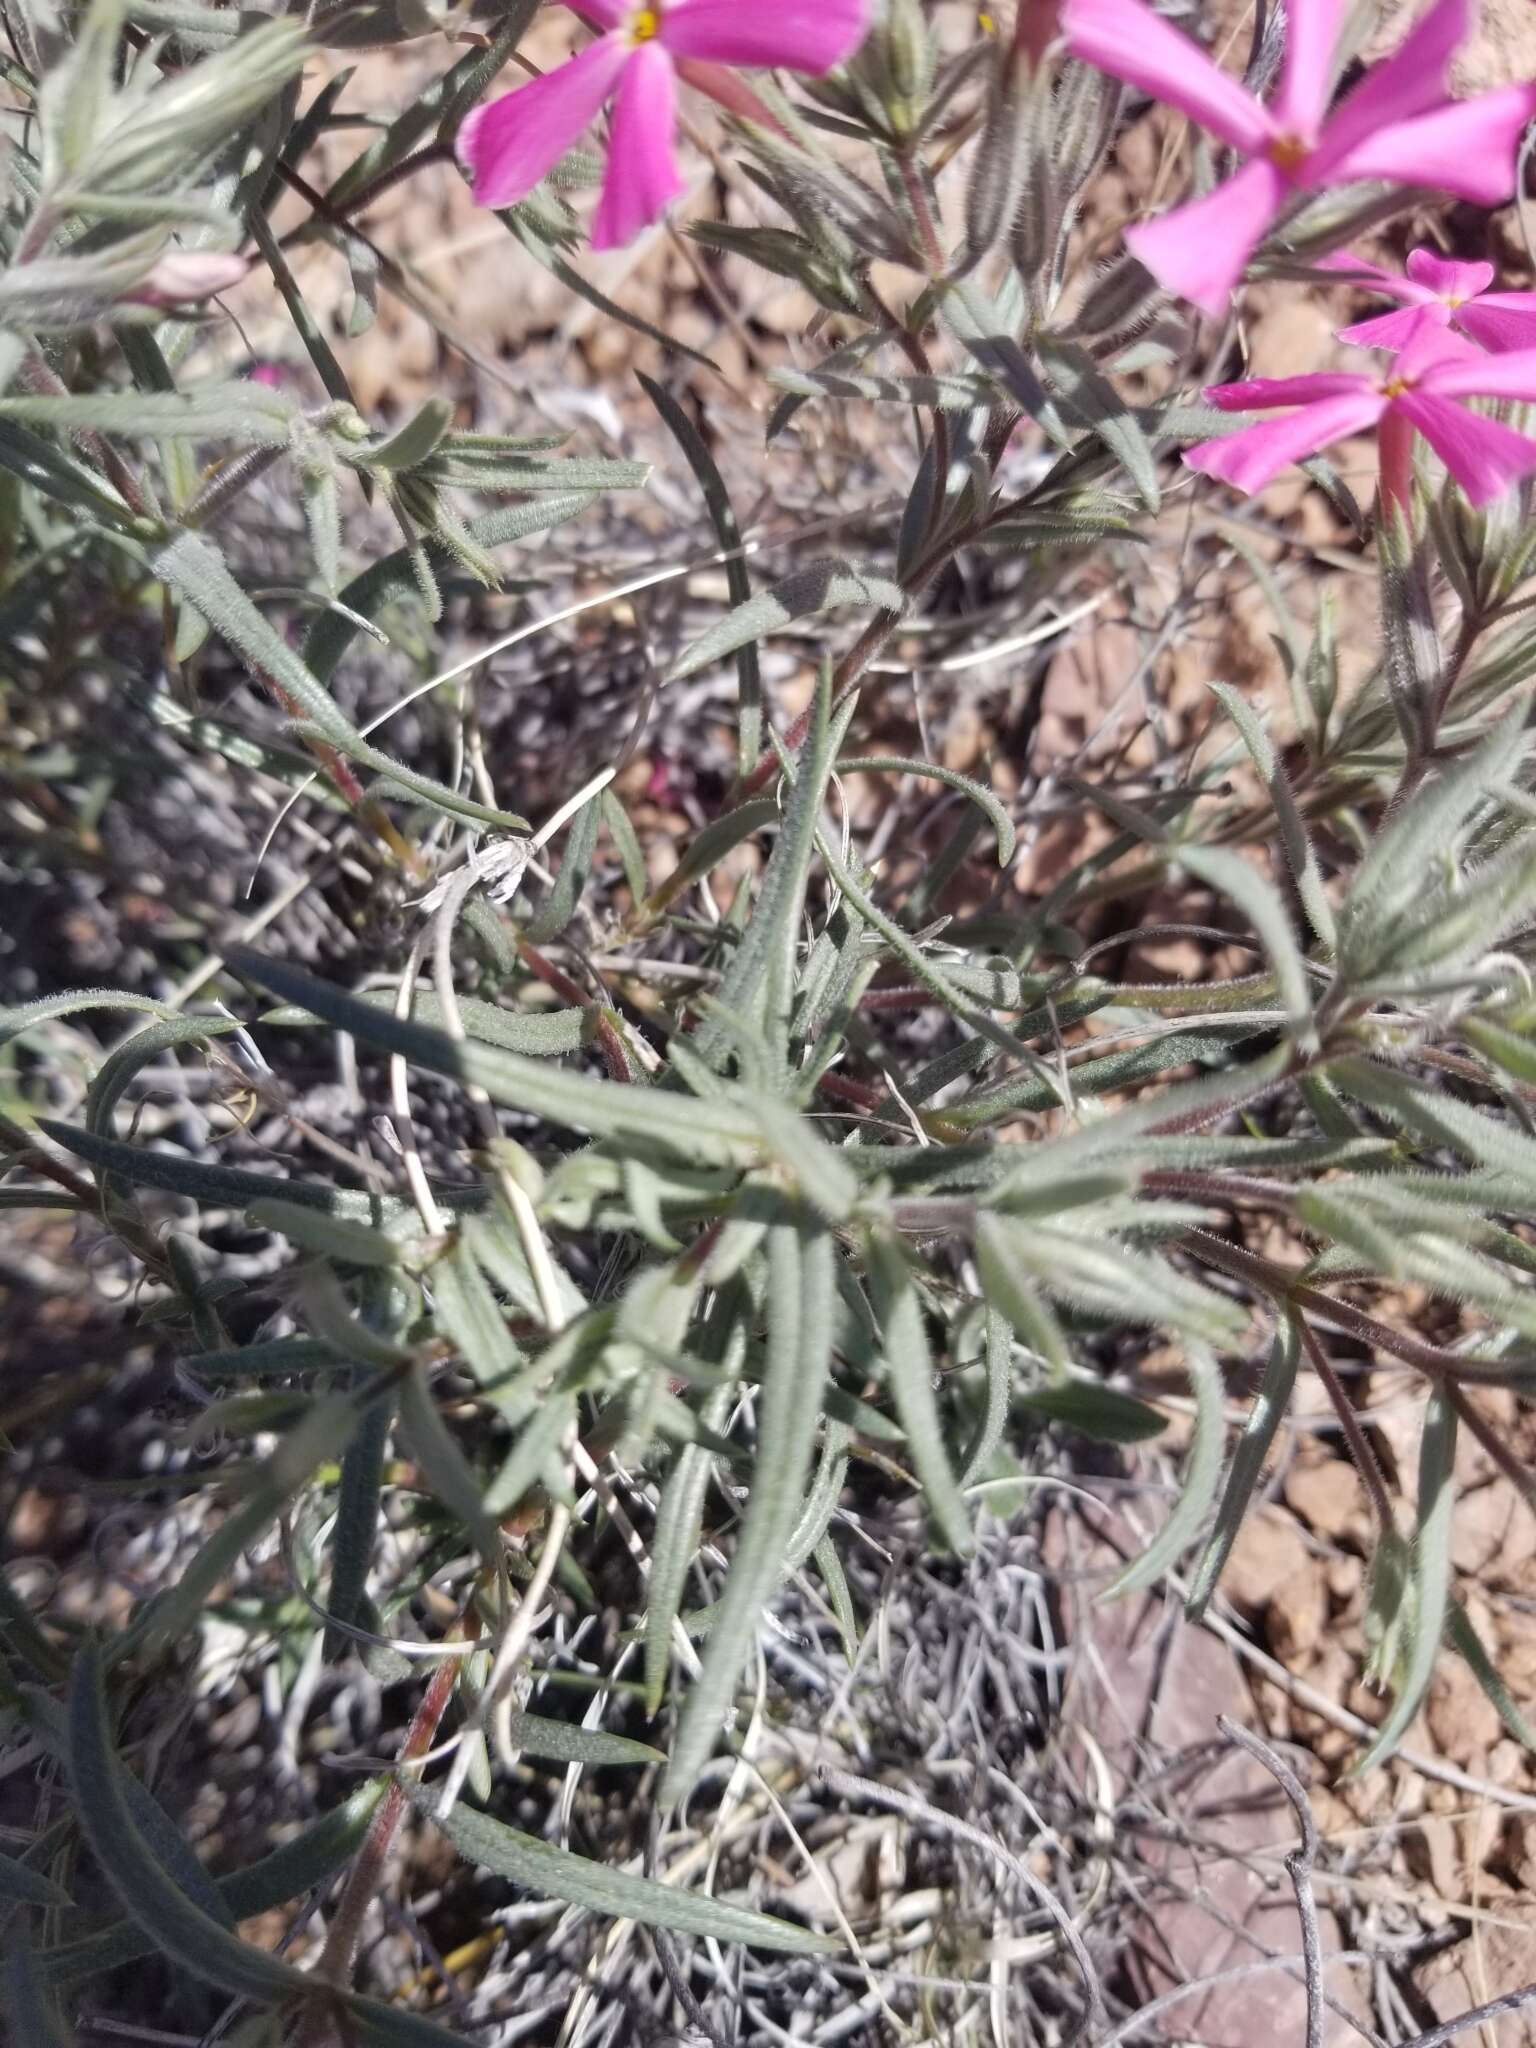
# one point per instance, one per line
(1394, 451)
(367, 1873)
(609, 1043)
(1036, 27)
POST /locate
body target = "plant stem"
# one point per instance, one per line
(1364, 1457)
(367, 1873)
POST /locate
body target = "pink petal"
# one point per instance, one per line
(508, 145)
(642, 176)
(1431, 349)
(1394, 330)
(1500, 320)
(1467, 148)
(1259, 394)
(1477, 376)
(799, 35)
(1447, 279)
(1200, 251)
(602, 14)
(1484, 456)
(1257, 455)
(1129, 41)
(1311, 36)
(1411, 81)
(1370, 277)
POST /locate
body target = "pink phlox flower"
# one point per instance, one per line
(1421, 386)
(509, 144)
(1436, 288)
(1396, 124)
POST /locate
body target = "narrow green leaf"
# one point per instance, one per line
(986, 800)
(1240, 881)
(29, 1887)
(560, 906)
(374, 2025)
(564, 1742)
(1094, 1410)
(1468, 1644)
(444, 1466)
(57, 475)
(1428, 1591)
(820, 1503)
(716, 1130)
(182, 1930)
(820, 1172)
(717, 500)
(277, 1358)
(830, 1565)
(250, 413)
(823, 587)
(1201, 1473)
(539, 1446)
(315, 1854)
(801, 1294)
(674, 1545)
(409, 446)
(1403, 852)
(1514, 1052)
(708, 848)
(1438, 1117)
(349, 1244)
(470, 1316)
(951, 393)
(357, 1520)
(392, 579)
(31, 2012)
(494, 1240)
(551, 1873)
(998, 1359)
(233, 1186)
(117, 1071)
(1299, 851)
(308, 328)
(1085, 390)
(909, 1365)
(541, 1034)
(1012, 1291)
(1269, 1407)
(75, 1002)
(759, 983)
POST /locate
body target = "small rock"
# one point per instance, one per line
(1268, 1551)
(1328, 1497)
(1462, 1719)
(1493, 1531)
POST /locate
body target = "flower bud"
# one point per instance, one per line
(182, 275)
(897, 64)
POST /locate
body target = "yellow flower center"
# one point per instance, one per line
(1289, 152)
(1396, 386)
(645, 24)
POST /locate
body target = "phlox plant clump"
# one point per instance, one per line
(812, 1108)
